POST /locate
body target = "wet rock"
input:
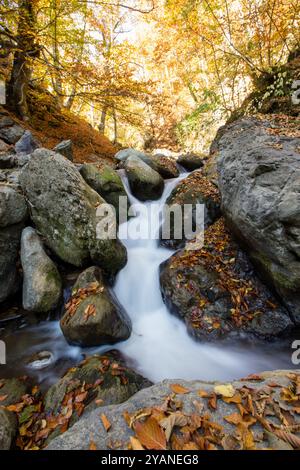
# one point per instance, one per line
(65, 148)
(64, 210)
(11, 134)
(13, 209)
(259, 174)
(165, 166)
(9, 249)
(7, 161)
(8, 428)
(6, 121)
(105, 378)
(93, 316)
(106, 182)
(145, 183)
(216, 292)
(122, 155)
(194, 408)
(42, 285)
(11, 176)
(13, 390)
(191, 191)
(26, 144)
(40, 360)
(191, 161)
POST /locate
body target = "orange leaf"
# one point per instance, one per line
(135, 444)
(105, 422)
(92, 446)
(150, 434)
(3, 397)
(177, 388)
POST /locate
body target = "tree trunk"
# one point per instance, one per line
(21, 71)
(101, 126)
(115, 126)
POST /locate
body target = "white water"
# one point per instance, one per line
(160, 346)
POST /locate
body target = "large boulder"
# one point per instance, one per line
(191, 191)
(64, 210)
(256, 412)
(191, 161)
(259, 174)
(8, 428)
(11, 133)
(92, 315)
(102, 380)
(162, 164)
(145, 183)
(13, 208)
(10, 237)
(12, 390)
(215, 291)
(42, 284)
(106, 182)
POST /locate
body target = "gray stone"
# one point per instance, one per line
(90, 429)
(65, 148)
(42, 285)
(145, 183)
(165, 166)
(191, 161)
(122, 155)
(9, 249)
(11, 134)
(7, 161)
(6, 121)
(8, 428)
(106, 323)
(64, 210)
(13, 209)
(4, 147)
(26, 144)
(106, 182)
(259, 180)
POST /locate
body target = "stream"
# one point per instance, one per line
(159, 347)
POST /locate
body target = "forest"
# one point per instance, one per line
(149, 227)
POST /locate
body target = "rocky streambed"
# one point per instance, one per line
(209, 313)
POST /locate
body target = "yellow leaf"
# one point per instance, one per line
(226, 391)
(135, 444)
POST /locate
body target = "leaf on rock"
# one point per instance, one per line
(135, 444)
(179, 389)
(175, 419)
(105, 422)
(226, 391)
(150, 434)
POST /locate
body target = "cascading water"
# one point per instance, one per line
(159, 346)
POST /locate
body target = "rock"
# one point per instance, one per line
(11, 134)
(122, 155)
(26, 144)
(13, 209)
(7, 161)
(106, 182)
(13, 390)
(215, 291)
(8, 428)
(191, 161)
(64, 210)
(93, 316)
(226, 434)
(6, 121)
(65, 148)
(9, 249)
(259, 173)
(145, 183)
(11, 176)
(42, 284)
(40, 360)
(106, 379)
(210, 170)
(165, 166)
(193, 190)
(4, 147)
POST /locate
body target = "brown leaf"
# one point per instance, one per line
(175, 419)
(292, 439)
(179, 389)
(150, 434)
(3, 397)
(105, 422)
(92, 445)
(135, 444)
(81, 397)
(190, 446)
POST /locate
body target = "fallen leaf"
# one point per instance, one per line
(92, 446)
(3, 397)
(226, 391)
(175, 419)
(179, 389)
(150, 434)
(135, 444)
(105, 422)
